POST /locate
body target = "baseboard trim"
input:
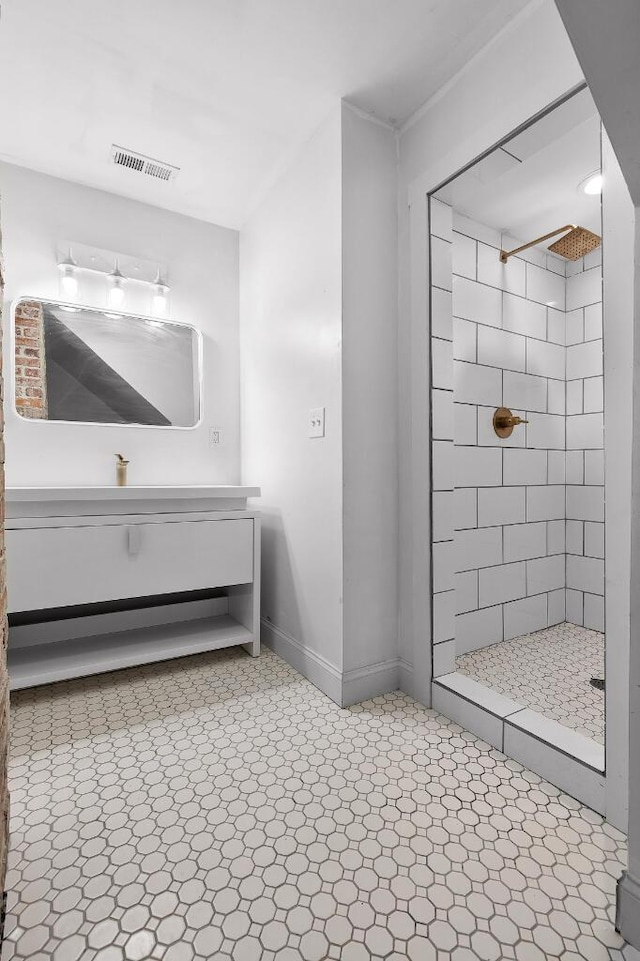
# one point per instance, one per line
(364, 683)
(345, 688)
(405, 676)
(628, 909)
(409, 682)
(315, 668)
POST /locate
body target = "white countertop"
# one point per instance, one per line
(29, 495)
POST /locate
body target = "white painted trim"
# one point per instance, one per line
(364, 683)
(628, 908)
(618, 322)
(350, 687)
(406, 678)
(314, 667)
(418, 610)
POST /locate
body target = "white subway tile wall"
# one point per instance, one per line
(528, 511)
(585, 445)
(443, 514)
(441, 220)
(441, 314)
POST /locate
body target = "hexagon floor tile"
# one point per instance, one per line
(548, 671)
(222, 807)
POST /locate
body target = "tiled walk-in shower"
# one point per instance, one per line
(517, 372)
(222, 807)
(549, 671)
(518, 521)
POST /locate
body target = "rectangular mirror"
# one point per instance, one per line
(82, 365)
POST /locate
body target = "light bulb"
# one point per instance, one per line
(68, 278)
(69, 283)
(116, 281)
(160, 291)
(159, 304)
(116, 295)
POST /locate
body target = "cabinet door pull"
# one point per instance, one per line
(134, 536)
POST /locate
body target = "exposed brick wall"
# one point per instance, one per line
(4, 680)
(31, 384)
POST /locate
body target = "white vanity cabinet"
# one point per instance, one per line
(68, 548)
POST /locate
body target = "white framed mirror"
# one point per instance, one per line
(76, 364)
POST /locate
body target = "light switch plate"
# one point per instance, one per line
(316, 422)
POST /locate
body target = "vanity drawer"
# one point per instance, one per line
(61, 566)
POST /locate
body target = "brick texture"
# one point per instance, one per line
(31, 385)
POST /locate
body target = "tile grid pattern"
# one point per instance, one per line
(498, 336)
(585, 446)
(548, 671)
(518, 343)
(505, 498)
(222, 807)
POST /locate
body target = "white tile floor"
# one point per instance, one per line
(548, 671)
(222, 807)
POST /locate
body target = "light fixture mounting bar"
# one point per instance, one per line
(101, 261)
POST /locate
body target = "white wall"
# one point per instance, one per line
(318, 329)
(38, 212)
(291, 331)
(528, 66)
(606, 38)
(369, 401)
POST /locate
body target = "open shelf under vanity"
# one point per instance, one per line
(98, 583)
(32, 664)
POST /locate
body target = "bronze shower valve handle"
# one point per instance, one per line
(504, 422)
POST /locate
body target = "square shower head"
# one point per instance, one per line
(576, 244)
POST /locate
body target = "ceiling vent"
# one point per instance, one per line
(122, 157)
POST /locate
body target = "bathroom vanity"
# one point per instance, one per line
(101, 578)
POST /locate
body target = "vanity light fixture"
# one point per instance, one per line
(116, 282)
(68, 277)
(138, 276)
(160, 291)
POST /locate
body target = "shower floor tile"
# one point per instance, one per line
(548, 671)
(220, 807)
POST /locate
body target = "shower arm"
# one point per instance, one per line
(505, 254)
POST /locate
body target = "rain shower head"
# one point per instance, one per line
(577, 242)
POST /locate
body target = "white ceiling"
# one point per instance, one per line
(225, 89)
(532, 185)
